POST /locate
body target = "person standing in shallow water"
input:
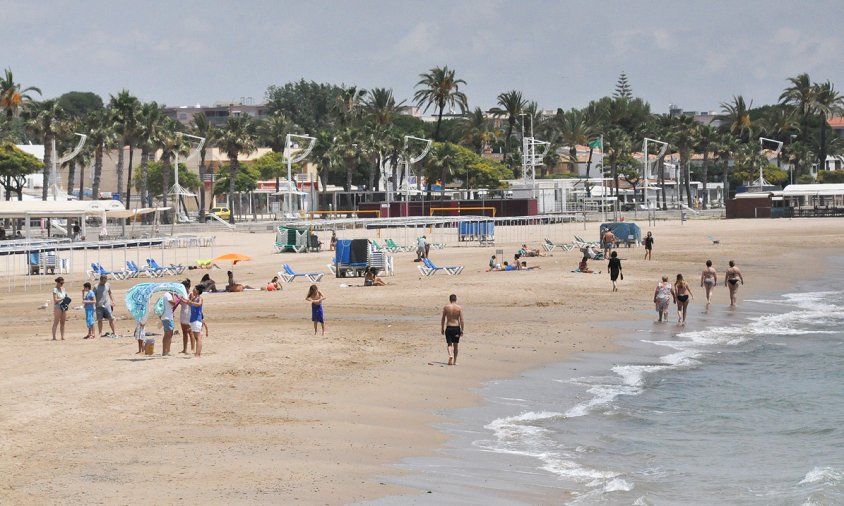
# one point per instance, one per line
(708, 280)
(732, 281)
(683, 293)
(451, 326)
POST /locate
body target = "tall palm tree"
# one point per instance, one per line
(42, 119)
(802, 95)
(445, 159)
(170, 142)
(102, 137)
(682, 135)
(572, 130)
(380, 106)
(347, 148)
(150, 120)
(66, 140)
(725, 146)
(440, 88)
(828, 103)
(736, 117)
(347, 105)
(478, 131)
(12, 97)
(704, 137)
(202, 128)
(510, 104)
(272, 131)
(779, 123)
(124, 109)
(237, 137)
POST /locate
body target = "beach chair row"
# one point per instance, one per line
(393, 247)
(549, 245)
(289, 275)
(152, 270)
(427, 268)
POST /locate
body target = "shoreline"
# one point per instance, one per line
(432, 473)
(277, 415)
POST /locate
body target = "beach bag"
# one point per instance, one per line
(64, 304)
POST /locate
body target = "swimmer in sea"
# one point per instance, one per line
(732, 281)
(708, 280)
(683, 292)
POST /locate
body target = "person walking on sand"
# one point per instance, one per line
(649, 246)
(59, 307)
(682, 292)
(421, 248)
(708, 280)
(451, 326)
(732, 281)
(105, 305)
(168, 321)
(89, 301)
(315, 297)
(614, 266)
(664, 292)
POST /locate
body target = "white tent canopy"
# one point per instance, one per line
(57, 208)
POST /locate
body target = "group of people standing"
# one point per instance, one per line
(98, 303)
(680, 293)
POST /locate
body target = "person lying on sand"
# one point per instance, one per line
(236, 287)
(273, 285)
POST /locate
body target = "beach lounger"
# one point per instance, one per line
(392, 247)
(333, 266)
(428, 268)
(98, 270)
(171, 269)
(137, 271)
(549, 245)
(288, 274)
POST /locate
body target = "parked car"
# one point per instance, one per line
(220, 212)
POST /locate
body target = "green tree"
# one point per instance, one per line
(478, 131)
(440, 88)
(236, 138)
(155, 173)
(12, 97)
(347, 105)
(15, 165)
(802, 96)
(828, 103)
(623, 90)
(102, 137)
(271, 165)
(704, 138)
(444, 162)
(272, 131)
(171, 142)
(150, 121)
(380, 106)
(246, 180)
(736, 118)
(309, 105)
(78, 104)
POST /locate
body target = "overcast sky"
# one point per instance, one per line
(695, 54)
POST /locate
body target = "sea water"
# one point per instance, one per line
(741, 406)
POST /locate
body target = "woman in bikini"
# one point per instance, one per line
(708, 280)
(732, 281)
(662, 295)
(683, 292)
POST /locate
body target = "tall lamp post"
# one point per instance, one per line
(301, 155)
(776, 153)
(646, 164)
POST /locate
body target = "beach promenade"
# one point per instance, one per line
(272, 414)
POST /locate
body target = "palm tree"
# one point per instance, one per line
(380, 106)
(202, 128)
(124, 109)
(510, 104)
(440, 88)
(446, 160)
(682, 135)
(102, 137)
(802, 95)
(725, 145)
(272, 131)
(347, 105)
(346, 146)
(737, 118)
(478, 131)
(234, 139)
(778, 123)
(828, 103)
(572, 130)
(12, 97)
(42, 119)
(705, 136)
(66, 140)
(150, 121)
(170, 142)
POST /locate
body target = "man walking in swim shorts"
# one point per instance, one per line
(105, 305)
(451, 326)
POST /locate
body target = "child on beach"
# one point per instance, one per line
(90, 301)
(197, 318)
(141, 335)
(315, 297)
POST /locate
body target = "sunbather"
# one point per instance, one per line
(273, 285)
(524, 267)
(527, 252)
(583, 267)
(208, 284)
(371, 278)
(236, 287)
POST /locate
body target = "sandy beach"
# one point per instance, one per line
(273, 414)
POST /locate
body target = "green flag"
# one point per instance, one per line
(596, 143)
